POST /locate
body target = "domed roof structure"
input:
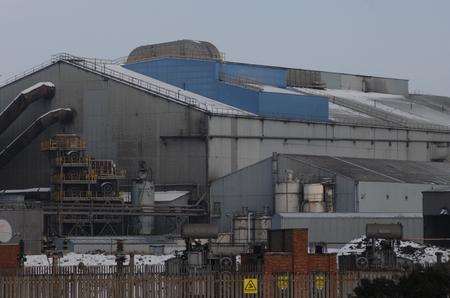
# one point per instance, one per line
(184, 48)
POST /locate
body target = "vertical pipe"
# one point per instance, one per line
(249, 214)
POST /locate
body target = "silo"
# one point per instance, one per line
(263, 223)
(143, 194)
(242, 233)
(313, 196)
(287, 194)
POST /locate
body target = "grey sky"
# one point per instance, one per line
(400, 38)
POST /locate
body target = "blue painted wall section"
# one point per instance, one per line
(202, 77)
(263, 74)
(198, 76)
(240, 97)
(291, 106)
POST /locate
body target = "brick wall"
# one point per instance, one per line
(322, 263)
(8, 255)
(298, 260)
(277, 262)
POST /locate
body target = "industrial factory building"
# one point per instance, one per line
(326, 192)
(187, 138)
(210, 127)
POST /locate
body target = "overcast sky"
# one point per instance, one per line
(399, 38)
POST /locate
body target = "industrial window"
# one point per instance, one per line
(217, 209)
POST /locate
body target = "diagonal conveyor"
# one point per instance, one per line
(62, 115)
(45, 90)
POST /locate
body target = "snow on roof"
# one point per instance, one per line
(26, 190)
(273, 89)
(37, 85)
(350, 215)
(211, 105)
(416, 252)
(74, 259)
(396, 105)
(168, 196)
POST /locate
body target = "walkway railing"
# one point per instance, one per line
(101, 66)
(375, 112)
(179, 96)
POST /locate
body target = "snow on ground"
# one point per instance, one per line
(416, 252)
(74, 259)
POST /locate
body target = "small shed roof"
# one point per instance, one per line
(169, 196)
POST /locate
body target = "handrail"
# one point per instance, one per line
(102, 68)
(26, 73)
(377, 113)
(241, 81)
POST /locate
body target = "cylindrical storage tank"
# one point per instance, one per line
(200, 231)
(262, 225)
(313, 196)
(143, 194)
(287, 194)
(241, 229)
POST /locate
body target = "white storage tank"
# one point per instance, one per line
(262, 225)
(251, 229)
(313, 198)
(241, 229)
(287, 194)
(143, 194)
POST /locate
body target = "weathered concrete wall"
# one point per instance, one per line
(117, 121)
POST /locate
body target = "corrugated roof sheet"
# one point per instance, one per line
(168, 196)
(350, 215)
(381, 170)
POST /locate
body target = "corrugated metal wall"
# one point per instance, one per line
(117, 121)
(273, 76)
(255, 140)
(202, 77)
(303, 78)
(334, 80)
(390, 197)
(250, 187)
(198, 76)
(240, 97)
(344, 187)
(339, 229)
(293, 106)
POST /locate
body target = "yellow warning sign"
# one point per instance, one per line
(283, 282)
(250, 286)
(319, 282)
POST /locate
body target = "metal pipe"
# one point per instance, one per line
(23, 100)
(32, 131)
(249, 223)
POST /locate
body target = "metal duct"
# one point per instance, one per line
(23, 100)
(38, 126)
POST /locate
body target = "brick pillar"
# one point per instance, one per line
(300, 251)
